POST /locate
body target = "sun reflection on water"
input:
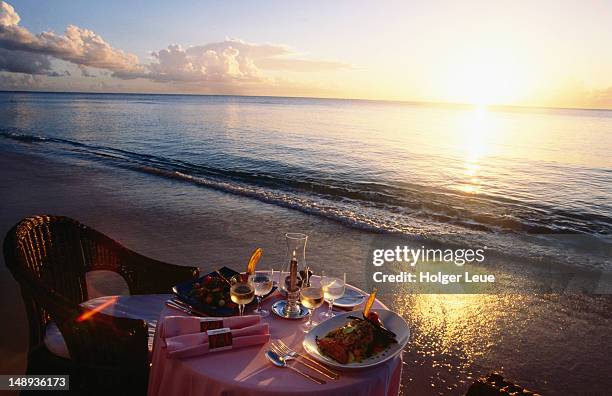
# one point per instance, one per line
(456, 335)
(474, 130)
(452, 324)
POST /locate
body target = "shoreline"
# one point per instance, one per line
(534, 339)
(590, 252)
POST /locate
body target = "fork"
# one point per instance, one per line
(281, 352)
(286, 350)
(279, 361)
(178, 307)
(185, 305)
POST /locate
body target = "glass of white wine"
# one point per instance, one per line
(262, 282)
(312, 298)
(333, 288)
(242, 292)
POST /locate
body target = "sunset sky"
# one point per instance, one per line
(543, 53)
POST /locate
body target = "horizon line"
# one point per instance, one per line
(412, 102)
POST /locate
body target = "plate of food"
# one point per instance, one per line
(210, 294)
(352, 340)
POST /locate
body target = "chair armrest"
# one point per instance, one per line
(157, 277)
(143, 275)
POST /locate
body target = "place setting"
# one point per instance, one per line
(291, 320)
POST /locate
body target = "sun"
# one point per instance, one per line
(486, 77)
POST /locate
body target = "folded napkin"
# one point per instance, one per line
(197, 344)
(173, 326)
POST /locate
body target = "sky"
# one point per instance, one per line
(544, 53)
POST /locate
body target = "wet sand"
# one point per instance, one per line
(549, 343)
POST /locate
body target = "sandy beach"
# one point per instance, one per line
(536, 340)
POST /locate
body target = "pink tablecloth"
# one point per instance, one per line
(248, 372)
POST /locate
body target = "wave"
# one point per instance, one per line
(373, 205)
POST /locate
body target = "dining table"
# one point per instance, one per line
(247, 371)
(244, 371)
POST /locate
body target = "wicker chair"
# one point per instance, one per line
(49, 257)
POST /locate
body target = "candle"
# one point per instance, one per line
(293, 269)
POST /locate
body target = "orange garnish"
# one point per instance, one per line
(369, 303)
(253, 261)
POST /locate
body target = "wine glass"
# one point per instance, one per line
(262, 283)
(312, 298)
(242, 292)
(333, 288)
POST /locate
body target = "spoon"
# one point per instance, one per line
(280, 362)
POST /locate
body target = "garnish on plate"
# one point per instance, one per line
(358, 339)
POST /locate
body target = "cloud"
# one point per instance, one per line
(77, 45)
(273, 57)
(231, 61)
(85, 71)
(601, 98)
(225, 61)
(575, 93)
(19, 81)
(8, 16)
(198, 64)
(301, 65)
(26, 62)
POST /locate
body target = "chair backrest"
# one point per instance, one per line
(45, 256)
(47, 249)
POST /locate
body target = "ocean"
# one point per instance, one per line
(530, 178)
